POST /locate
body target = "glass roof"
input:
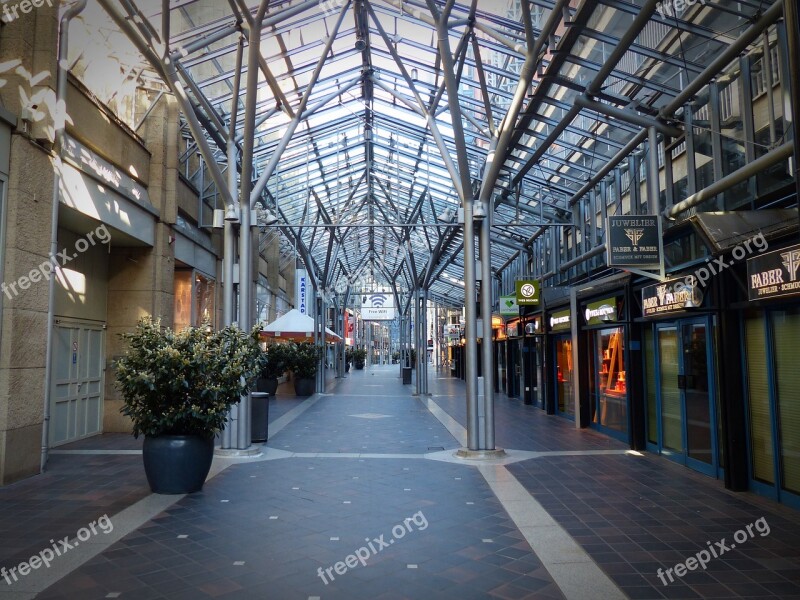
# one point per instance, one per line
(368, 149)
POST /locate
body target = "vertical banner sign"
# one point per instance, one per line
(301, 290)
(634, 241)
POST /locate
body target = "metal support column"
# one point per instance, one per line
(653, 187)
(486, 345)
(792, 21)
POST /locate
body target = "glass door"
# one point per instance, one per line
(564, 374)
(684, 400)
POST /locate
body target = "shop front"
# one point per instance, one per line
(608, 366)
(680, 386)
(771, 335)
(563, 368)
(532, 345)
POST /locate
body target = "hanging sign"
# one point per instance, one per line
(634, 241)
(377, 307)
(301, 290)
(509, 306)
(774, 274)
(528, 292)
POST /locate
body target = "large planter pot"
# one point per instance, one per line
(304, 387)
(177, 464)
(269, 386)
(359, 365)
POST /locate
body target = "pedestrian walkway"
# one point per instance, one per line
(357, 495)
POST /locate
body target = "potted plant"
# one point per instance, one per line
(304, 363)
(413, 358)
(359, 357)
(274, 362)
(348, 359)
(177, 389)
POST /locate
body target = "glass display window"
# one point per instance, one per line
(611, 383)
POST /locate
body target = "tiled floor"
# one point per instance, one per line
(271, 528)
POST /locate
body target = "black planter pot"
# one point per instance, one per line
(177, 464)
(304, 387)
(359, 365)
(264, 384)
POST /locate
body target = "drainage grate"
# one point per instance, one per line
(435, 447)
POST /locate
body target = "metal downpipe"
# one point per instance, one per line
(60, 121)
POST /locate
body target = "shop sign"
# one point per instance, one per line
(634, 241)
(602, 311)
(512, 329)
(559, 321)
(528, 292)
(452, 331)
(377, 307)
(301, 291)
(509, 306)
(774, 274)
(671, 296)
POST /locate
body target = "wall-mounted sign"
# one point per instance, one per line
(560, 321)
(528, 292)
(377, 307)
(602, 311)
(634, 241)
(509, 306)
(671, 296)
(774, 274)
(512, 329)
(301, 291)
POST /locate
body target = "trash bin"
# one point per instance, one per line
(259, 416)
(406, 375)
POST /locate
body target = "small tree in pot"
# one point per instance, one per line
(274, 362)
(304, 363)
(178, 388)
(359, 358)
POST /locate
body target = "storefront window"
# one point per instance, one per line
(611, 397)
(762, 449)
(564, 376)
(194, 299)
(183, 299)
(650, 387)
(786, 332)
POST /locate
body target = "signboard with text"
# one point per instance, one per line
(634, 241)
(301, 291)
(561, 321)
(774, 274)
(509, 306)
(528, 292)
(377, 307)
(670, 296)
(602, 311)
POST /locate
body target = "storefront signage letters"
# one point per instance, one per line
(634, 241)
(774, 274)
(671, 296)
(560, 320)
(527, 293)
(602, 311)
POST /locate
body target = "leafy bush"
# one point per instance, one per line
(276, 360)
(305, 359)
(184, 383)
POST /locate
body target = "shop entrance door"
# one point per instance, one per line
(77, 382)
(565, 402)
(687, 418)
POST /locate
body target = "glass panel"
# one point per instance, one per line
(205, 300)
(761, 443)
(564, 376)
(671, 419)
(650, 386)
(183, 299)
(612, 397)
(786, 331)
(698, 408)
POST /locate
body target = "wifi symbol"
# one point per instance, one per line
(378, 300)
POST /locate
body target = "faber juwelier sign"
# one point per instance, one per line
(774, 274)
(634, 241)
